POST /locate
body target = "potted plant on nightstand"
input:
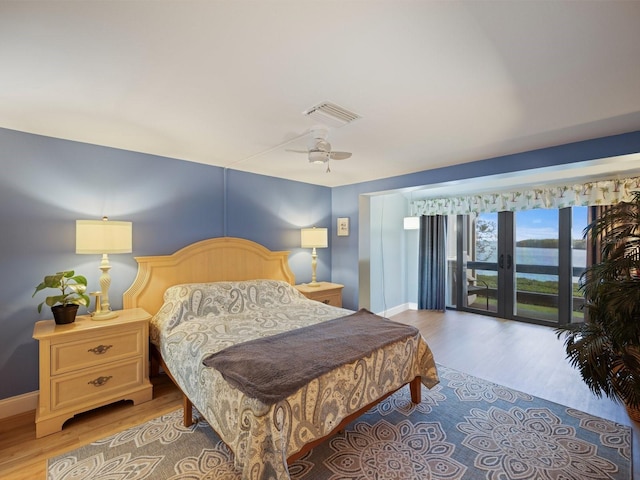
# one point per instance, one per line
(606, 347)
(64, 306)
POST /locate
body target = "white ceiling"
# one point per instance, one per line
(225, 83)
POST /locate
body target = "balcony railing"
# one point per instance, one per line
(524, 298)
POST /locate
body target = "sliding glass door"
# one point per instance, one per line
(520, 265)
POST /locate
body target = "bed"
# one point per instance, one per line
(215, 294)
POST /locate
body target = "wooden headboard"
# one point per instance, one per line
(212, 260)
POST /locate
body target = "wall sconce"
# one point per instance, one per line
(411, 223)
(313, 238)
(103, 237)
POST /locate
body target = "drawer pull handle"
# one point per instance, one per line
(100, 381)
(100, 349)
(326, 302)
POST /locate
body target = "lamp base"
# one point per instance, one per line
(104, 315)
(314, 284)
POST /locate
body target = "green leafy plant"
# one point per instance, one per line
(72, 289)
(606, 347)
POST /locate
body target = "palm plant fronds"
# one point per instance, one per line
(606, 348)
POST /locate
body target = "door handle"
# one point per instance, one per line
(501, 261)
(509, 262)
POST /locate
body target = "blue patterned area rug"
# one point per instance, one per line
(465, 428)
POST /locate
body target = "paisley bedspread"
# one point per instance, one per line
(197, 320)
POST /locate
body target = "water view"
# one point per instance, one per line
(533, 258)
(539, 256)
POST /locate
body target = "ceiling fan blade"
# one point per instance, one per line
(339, 155)
(296, 151)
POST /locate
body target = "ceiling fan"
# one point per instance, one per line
(319, 150)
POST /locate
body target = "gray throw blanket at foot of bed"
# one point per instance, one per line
(272, 368)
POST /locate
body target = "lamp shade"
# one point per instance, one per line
(313, 238)
(103, 236)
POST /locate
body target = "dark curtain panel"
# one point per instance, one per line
(594, 249)
(432, 260)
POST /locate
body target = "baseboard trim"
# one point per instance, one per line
(398, 309)
(19, 404)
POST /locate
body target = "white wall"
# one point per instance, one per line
(387, 253)
(411, 264)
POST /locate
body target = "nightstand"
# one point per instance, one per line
(89, 363)
(326, 292)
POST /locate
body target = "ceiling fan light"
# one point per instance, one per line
(316, 156)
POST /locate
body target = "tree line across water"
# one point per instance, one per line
(578, 243)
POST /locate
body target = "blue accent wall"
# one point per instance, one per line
(271, 211)
(47, 184)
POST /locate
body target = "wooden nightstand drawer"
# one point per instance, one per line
(326, 292)
(95, 384)
(73, 356)
(334, 299)
(87, 364)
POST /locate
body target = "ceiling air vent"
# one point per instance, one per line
(331, 114)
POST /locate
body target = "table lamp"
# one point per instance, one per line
(313, 238)
(103, 237)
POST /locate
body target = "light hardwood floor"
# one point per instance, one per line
(526, 357)
(522, 356)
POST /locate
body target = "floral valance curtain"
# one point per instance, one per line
(603, 192)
